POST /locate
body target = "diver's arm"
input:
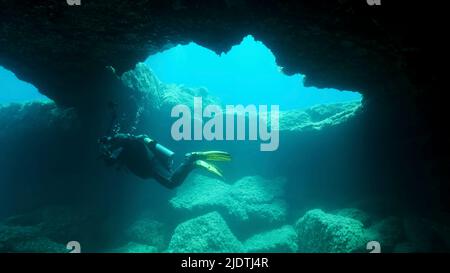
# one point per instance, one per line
(112, 147)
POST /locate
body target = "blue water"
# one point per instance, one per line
(14, 90)
(247, 74)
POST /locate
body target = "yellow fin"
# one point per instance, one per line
(209, 167)
(213, 156)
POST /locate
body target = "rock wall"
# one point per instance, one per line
(50, 159)
(347, 44)
(354, 146)
(343, 44)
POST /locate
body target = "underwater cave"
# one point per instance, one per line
(246, 74)
(357, 135)
(14, 90)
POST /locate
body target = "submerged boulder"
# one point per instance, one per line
(281, 240)
(250, 198)
(39, 245)
(27, 239)
(356, 214)
(147, 232)
(207, 233)
(133, 247)
(46, 229)
(12, 235)
(60, 224)
(322, 232)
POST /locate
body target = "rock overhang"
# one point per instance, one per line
(344, 44)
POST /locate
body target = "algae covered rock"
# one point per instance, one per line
(250, 198)
(133, 247)
(39, 245)
(147, 232)
(60, 224)
(143, 81)
(27, 239)
(322, 232)
(178, 94)
(46, 229)
(281, 240)
(40, 115)
(318, 117)
(207, 233)
(159, 95)
(354, 213)
(12, 235)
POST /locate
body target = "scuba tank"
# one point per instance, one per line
(164, 155)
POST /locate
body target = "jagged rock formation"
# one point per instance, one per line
(132, 247)
(16, 118)
(159, 96)
(356, 214)
(281, 240)
(43, 230)
(147, 232)
(38, 245)
(342, 231)
(345, 44)
(249, 199)
(321, 232)
(318, 117)
(207, 233)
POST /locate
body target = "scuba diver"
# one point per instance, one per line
(146, 158)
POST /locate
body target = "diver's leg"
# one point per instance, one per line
(181, 173)
(191, 161)
(175, 179)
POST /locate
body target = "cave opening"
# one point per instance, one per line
(13, 90)
(247, 74)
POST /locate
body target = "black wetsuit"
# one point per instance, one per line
(140, 157)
